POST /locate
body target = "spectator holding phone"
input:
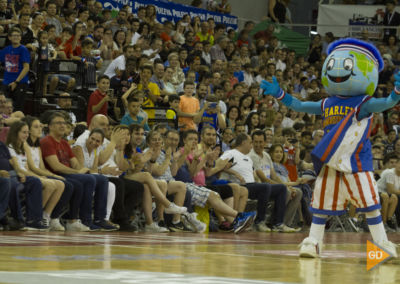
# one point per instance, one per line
(98, 100)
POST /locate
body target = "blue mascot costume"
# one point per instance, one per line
(343, 158)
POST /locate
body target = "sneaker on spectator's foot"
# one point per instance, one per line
(114, 224)
(105, 226)
(92, 226)
(55, 225)
(126, 226)
(175, 209)
(388, 229)
(162, 224)
(310, 248)
(46, 222)
(190, 220)
(261, 227)
(282, 228)
(226, 227)
(179, 227)
(154, 228)
(77, 226)
(389, 247)
(15, 225)
(36, 226)
(242, 221)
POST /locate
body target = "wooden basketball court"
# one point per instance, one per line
(186, 258)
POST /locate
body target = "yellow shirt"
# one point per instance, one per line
(153, 88)
(200, 37)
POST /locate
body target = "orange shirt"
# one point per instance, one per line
(188, 105)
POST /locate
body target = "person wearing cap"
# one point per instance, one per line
(217, 51)
(343, 158)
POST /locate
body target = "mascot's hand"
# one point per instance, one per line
(397, 80)
(273, 88)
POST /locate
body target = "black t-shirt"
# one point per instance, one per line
(5, 158)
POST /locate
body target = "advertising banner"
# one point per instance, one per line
(170, 11)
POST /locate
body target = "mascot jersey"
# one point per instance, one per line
(345, 145)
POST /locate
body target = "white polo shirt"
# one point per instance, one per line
(243, 166)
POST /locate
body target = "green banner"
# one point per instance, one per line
(288, 38)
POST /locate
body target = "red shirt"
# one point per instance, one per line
(95, 99)
(62, 150)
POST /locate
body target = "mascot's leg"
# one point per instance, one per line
(375, 225)
(311, 246)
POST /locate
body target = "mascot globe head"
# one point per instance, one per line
(351, 68)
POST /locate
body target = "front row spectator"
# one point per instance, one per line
(389, 191)
(242, 172)
(59, 158)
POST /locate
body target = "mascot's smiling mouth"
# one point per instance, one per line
(339, 79)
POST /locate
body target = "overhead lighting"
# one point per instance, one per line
(313, 32)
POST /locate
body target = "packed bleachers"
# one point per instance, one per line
(132, 112)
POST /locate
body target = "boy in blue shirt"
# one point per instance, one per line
(132, 116)
(16, 59)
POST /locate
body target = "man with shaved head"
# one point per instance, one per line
(106, 149)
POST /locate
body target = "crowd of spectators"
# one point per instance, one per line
(231, 144)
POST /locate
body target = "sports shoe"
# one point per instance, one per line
(226, 227)
(105, 226)
(77, 226)
(154, 228)
(282, 228)
(261, 227)
(190, 220)
(175, 209)
(46, 222)
(242, 221)
(389, 247)
(55, 225)
(310, 247)
(179, 227)
(36, 226)
(15, 225)
(126, 226)
(388, 229)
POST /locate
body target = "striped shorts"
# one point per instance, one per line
(334, 190)
(199, 194)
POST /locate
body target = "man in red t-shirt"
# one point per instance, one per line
(98, 101)
(59, 158)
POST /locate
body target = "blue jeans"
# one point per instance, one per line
(32, 188)
(90, 185)
(262, 192)
(5, 189)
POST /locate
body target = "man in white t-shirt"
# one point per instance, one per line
(242, 172)
(119, 62)
(389, 190)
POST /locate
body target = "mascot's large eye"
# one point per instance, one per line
(330, 64)
(348, 64)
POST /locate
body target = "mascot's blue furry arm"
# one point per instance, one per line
(350, 69)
